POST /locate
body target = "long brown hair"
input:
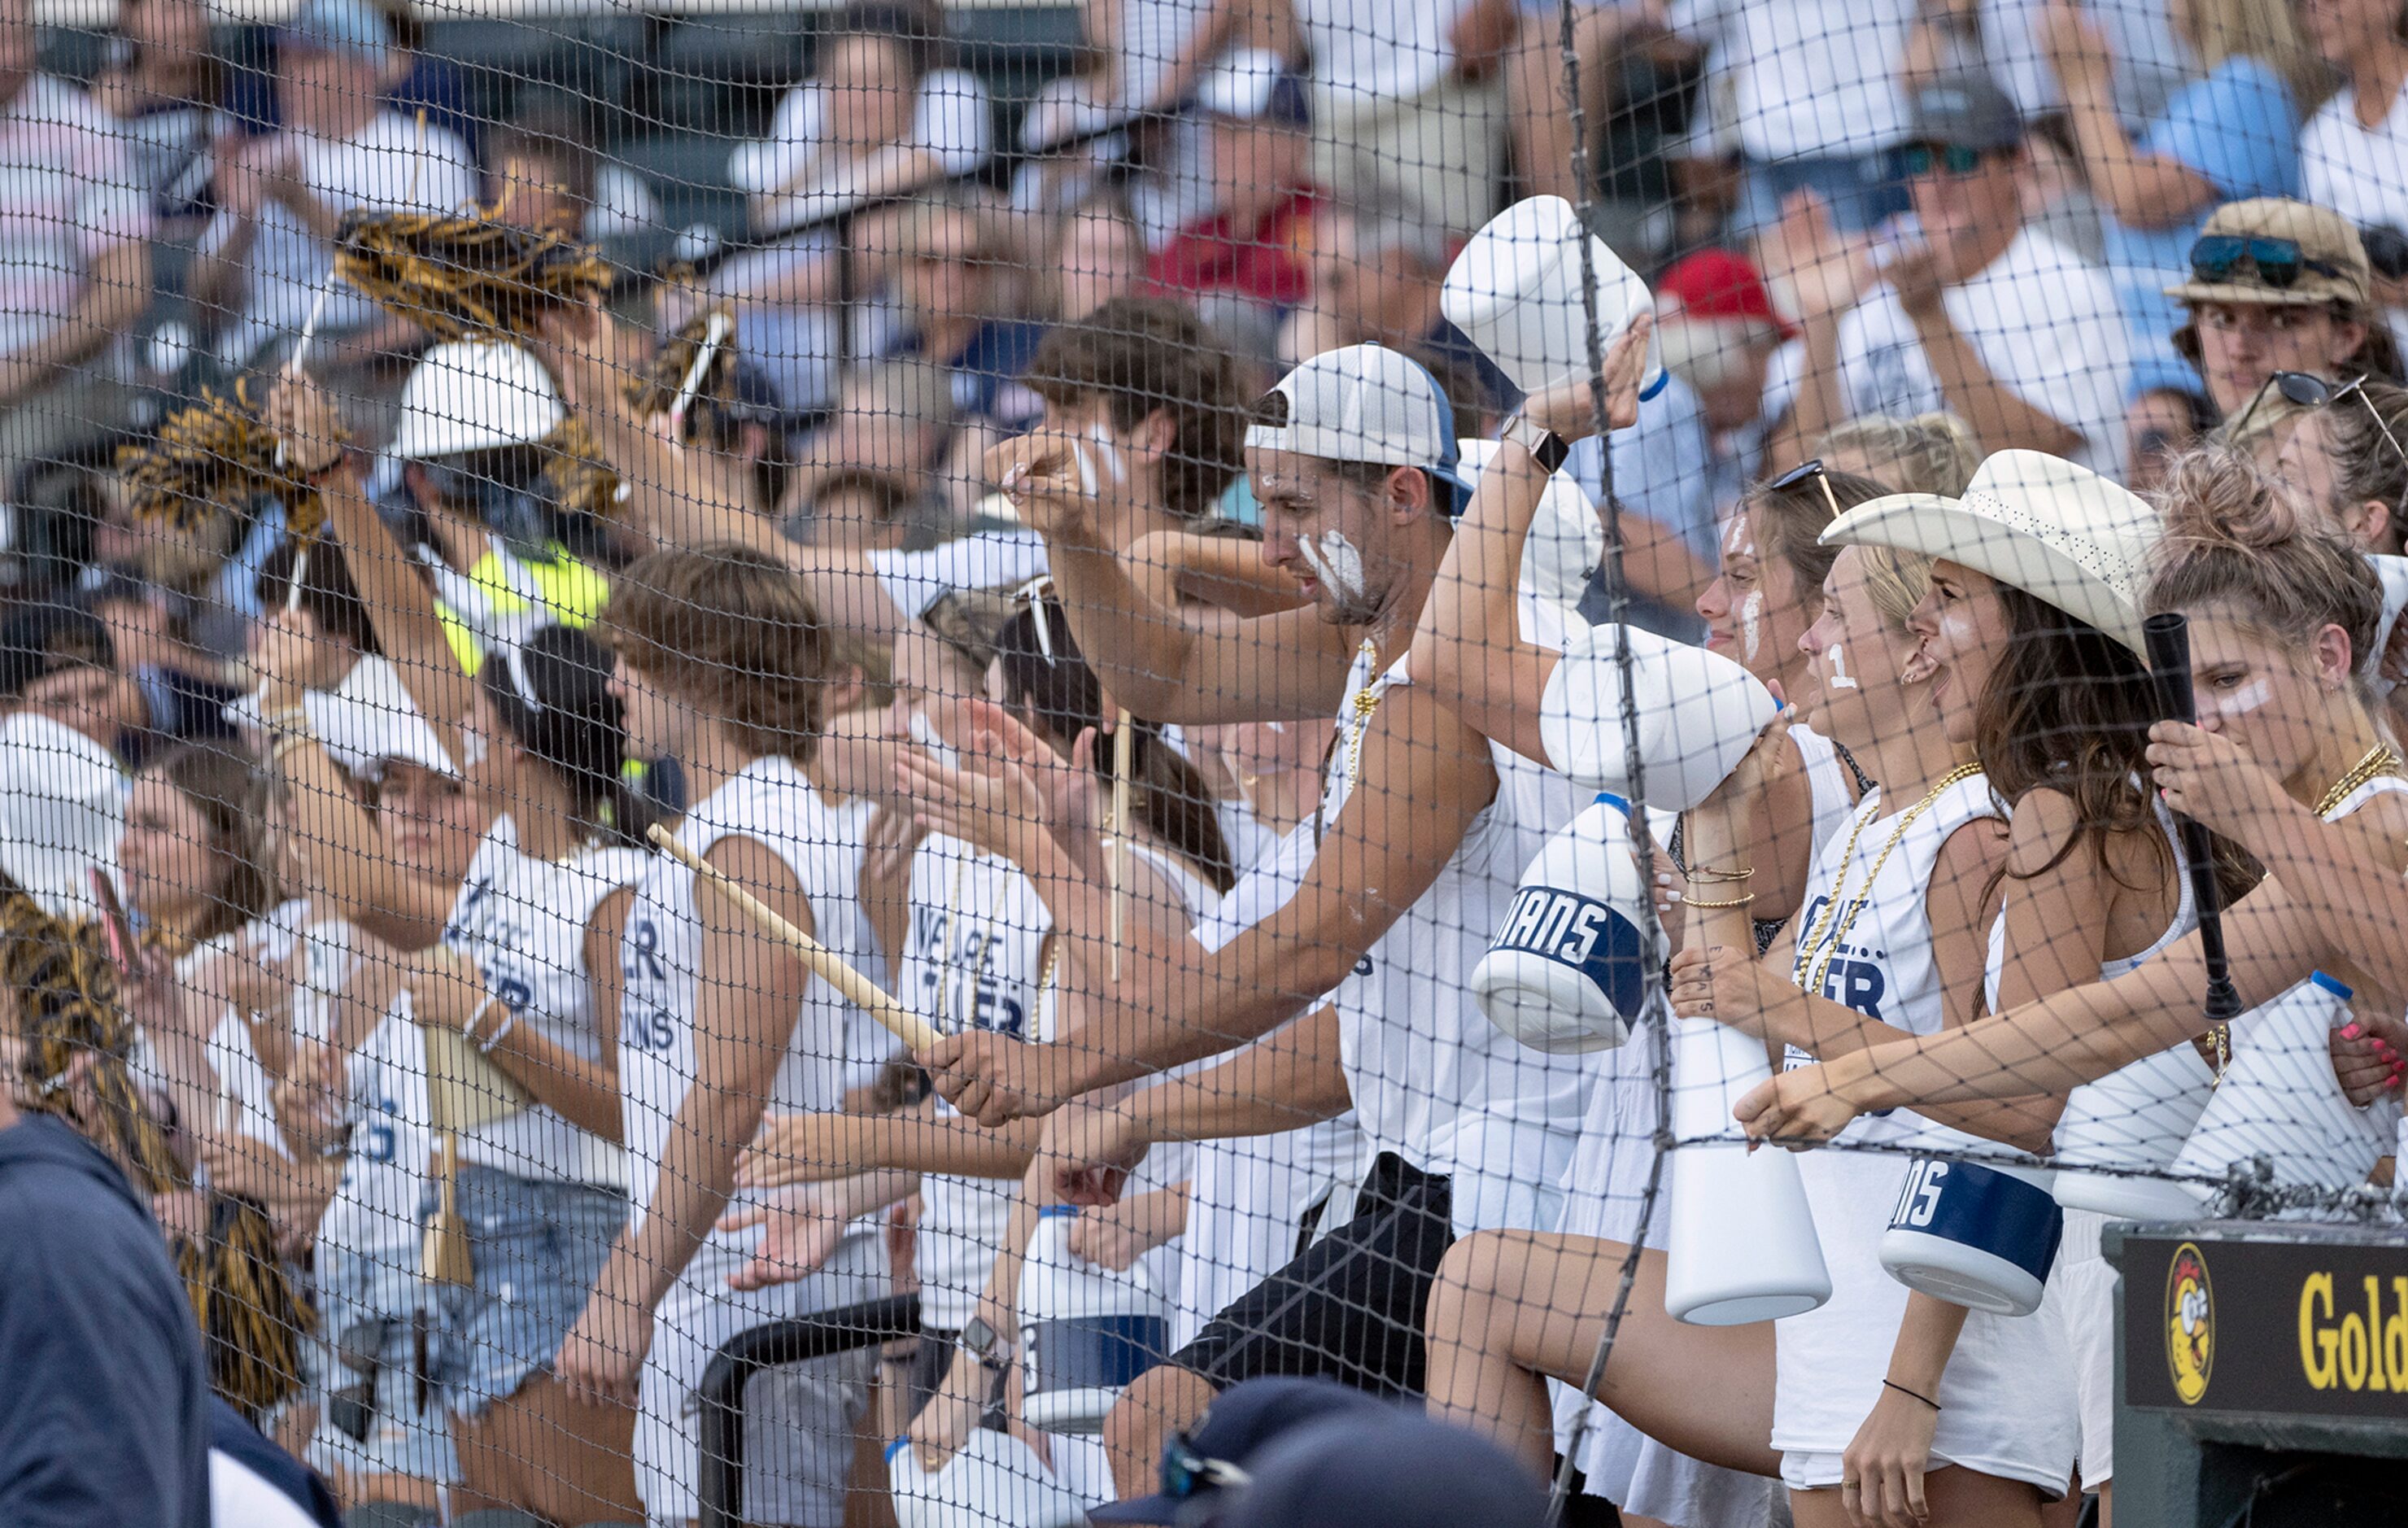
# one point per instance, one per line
(230, 790)
(1791, 522)
(2069, 708)
(1047, 680)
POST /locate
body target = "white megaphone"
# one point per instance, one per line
(1976, 1233)
(1085, 1332)
(2280, 1101)
(1567, 970)
(1515, 293)
(1698, 714)
(1741, 1244)
(2132, 1123)
(993, 1478)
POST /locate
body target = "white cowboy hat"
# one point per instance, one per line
(2056, 531)
(61, 812)
(1699, 714)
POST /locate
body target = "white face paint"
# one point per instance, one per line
(1107, 455)
(2248, 698)
(1751, 624)
(1837, 661)
(1336, 563)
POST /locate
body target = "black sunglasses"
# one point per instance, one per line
(1800, 473)
(2277, 261)
(2309, 391)
(1957, 160)
(1186, 1473)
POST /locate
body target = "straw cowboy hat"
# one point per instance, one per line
(2056, 531)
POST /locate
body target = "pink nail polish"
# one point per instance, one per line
(2350, 1032)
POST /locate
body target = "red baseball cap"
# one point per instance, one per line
(1720, 284)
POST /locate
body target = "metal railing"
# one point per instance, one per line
(721, 1487)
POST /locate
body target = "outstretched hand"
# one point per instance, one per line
(1571, 411)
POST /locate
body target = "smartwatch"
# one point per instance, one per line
(1548, 449)
(985, 1344)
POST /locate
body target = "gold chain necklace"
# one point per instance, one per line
(1366, 702)
(1831, 909)
(2379, 760)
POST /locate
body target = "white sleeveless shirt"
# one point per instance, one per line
(972, 960)
(771, 803)
(1432, 1080)
(374, 1211)
(522, 921)
(1830, 1362)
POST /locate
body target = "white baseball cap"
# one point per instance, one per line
(475, 396)
(1365, 403)
(369, 720)
(61, 812)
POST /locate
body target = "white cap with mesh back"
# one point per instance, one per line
(475, 396)
(369, 720)
(1366, 403)
(61, 812)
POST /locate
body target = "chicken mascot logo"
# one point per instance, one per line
(2190, 1323)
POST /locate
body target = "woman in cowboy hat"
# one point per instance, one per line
(2279, 605)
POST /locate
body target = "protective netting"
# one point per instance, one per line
(837, 766)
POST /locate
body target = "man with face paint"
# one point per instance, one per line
(1423, 826)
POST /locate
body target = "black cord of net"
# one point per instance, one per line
(1617, 591)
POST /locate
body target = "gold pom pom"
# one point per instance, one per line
(208, 462)
(655, 388)
(458, 277)
(575, 477)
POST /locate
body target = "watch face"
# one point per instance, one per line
(980, 1338)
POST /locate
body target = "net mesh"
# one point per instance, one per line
(820, 766)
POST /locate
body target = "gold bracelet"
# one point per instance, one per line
(1707, 875)
(286, 719)
(1736, 901)
(286, 743)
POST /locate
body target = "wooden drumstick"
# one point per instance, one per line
(825, 963)
(1123, 749)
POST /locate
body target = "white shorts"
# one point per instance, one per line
(798, 1420)
(2081, 1292)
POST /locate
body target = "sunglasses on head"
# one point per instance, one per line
(1800, 473)
(2276, 261)
(2309, 391)
(1955, 158)
(1186, 1473)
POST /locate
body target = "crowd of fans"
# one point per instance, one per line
(1066, 563)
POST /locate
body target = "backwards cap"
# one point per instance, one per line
(1365, 403)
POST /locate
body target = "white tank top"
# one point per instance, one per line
(972, 960)
(2186, 920)
(522, 921)
(1248, 1196)
(2007, 1395)
(374, 1211)
(1830, 783)
(868, 1045)
(1433, 1080)
(774, 804)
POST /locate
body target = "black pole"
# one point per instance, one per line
(2169, 641)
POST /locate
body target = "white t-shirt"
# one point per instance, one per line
(2360, 173)
(1433, 1080)
(952, 121)
(68, 194)
(660, 960)
(1813, 78)
(522, 920)
(382, 167)
(1369, 52)
(972, 960)
(2044, 322)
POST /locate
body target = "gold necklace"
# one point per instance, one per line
(1831, 909)
(2379, 760)
(1366, 700)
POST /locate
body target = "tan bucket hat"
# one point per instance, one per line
(2325, 240)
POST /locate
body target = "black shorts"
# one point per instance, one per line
(1349, 1308)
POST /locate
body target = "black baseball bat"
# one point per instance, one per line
(2169, 641)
